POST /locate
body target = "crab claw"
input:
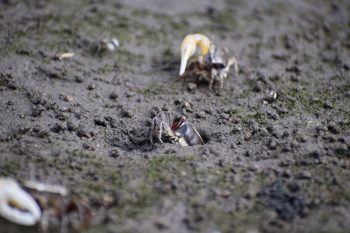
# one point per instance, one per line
(16, 205)
(189, 46)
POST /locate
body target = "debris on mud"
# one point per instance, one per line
(108, 45)
(84, 121)
(62, 56)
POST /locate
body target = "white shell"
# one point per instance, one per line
(115, 42)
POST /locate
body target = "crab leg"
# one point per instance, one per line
(232, 61)
(189, 46)
(160, 132)
(16, 205)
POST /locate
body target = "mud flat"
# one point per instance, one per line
(268, 165)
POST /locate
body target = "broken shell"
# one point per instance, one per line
(273, 95)
(64, 55)
(110, 44)
(16, 205)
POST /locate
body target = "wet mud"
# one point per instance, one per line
(277, 151)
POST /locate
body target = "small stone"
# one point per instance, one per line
(258, 86)
(72, 126)
(187, 105)
(57, 128)
(91, 86)
(305, 175)
(62, 116)
(247, 136)
(170, 151)
(108, 200)
(82, 132)
(200, 114)
(68, 98)
(37, 110)
(115, 153)
(294, 78)
(333, 128)
(114, 95)
(100, 122)
(165, 107)
(282, 110)
(225, 194)
(272, 144)
(293, 186)
(129, 94)
(191, 86)
(328, 105)
(79, 79)
(88, 147)
(126, 114)
(272, 115)
(286, 173)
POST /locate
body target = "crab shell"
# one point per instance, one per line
(16, 205)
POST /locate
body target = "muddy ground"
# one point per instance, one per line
(267, 166)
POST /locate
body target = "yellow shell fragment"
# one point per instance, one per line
(64, 55)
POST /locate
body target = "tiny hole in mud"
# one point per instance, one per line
(204, 135)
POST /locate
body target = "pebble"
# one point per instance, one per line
(79, 79)
(126, 114)
(170, 151)
(115, 153)
(272, 144)
(72, 125)
(68, 98)
(91, 86)
(100, 122)
(57, 128)
(272, 115)
(191, 86)
(200, 114)
(333, 128)
(82, 132)
(304, 175)
(247, 136)
(113, 95)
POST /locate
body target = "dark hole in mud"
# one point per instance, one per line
(205, 136)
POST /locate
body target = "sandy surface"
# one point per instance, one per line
(268, 165)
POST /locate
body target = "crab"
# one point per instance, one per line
(175, 128)
(213, 65)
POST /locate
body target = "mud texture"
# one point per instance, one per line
(269, 165)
